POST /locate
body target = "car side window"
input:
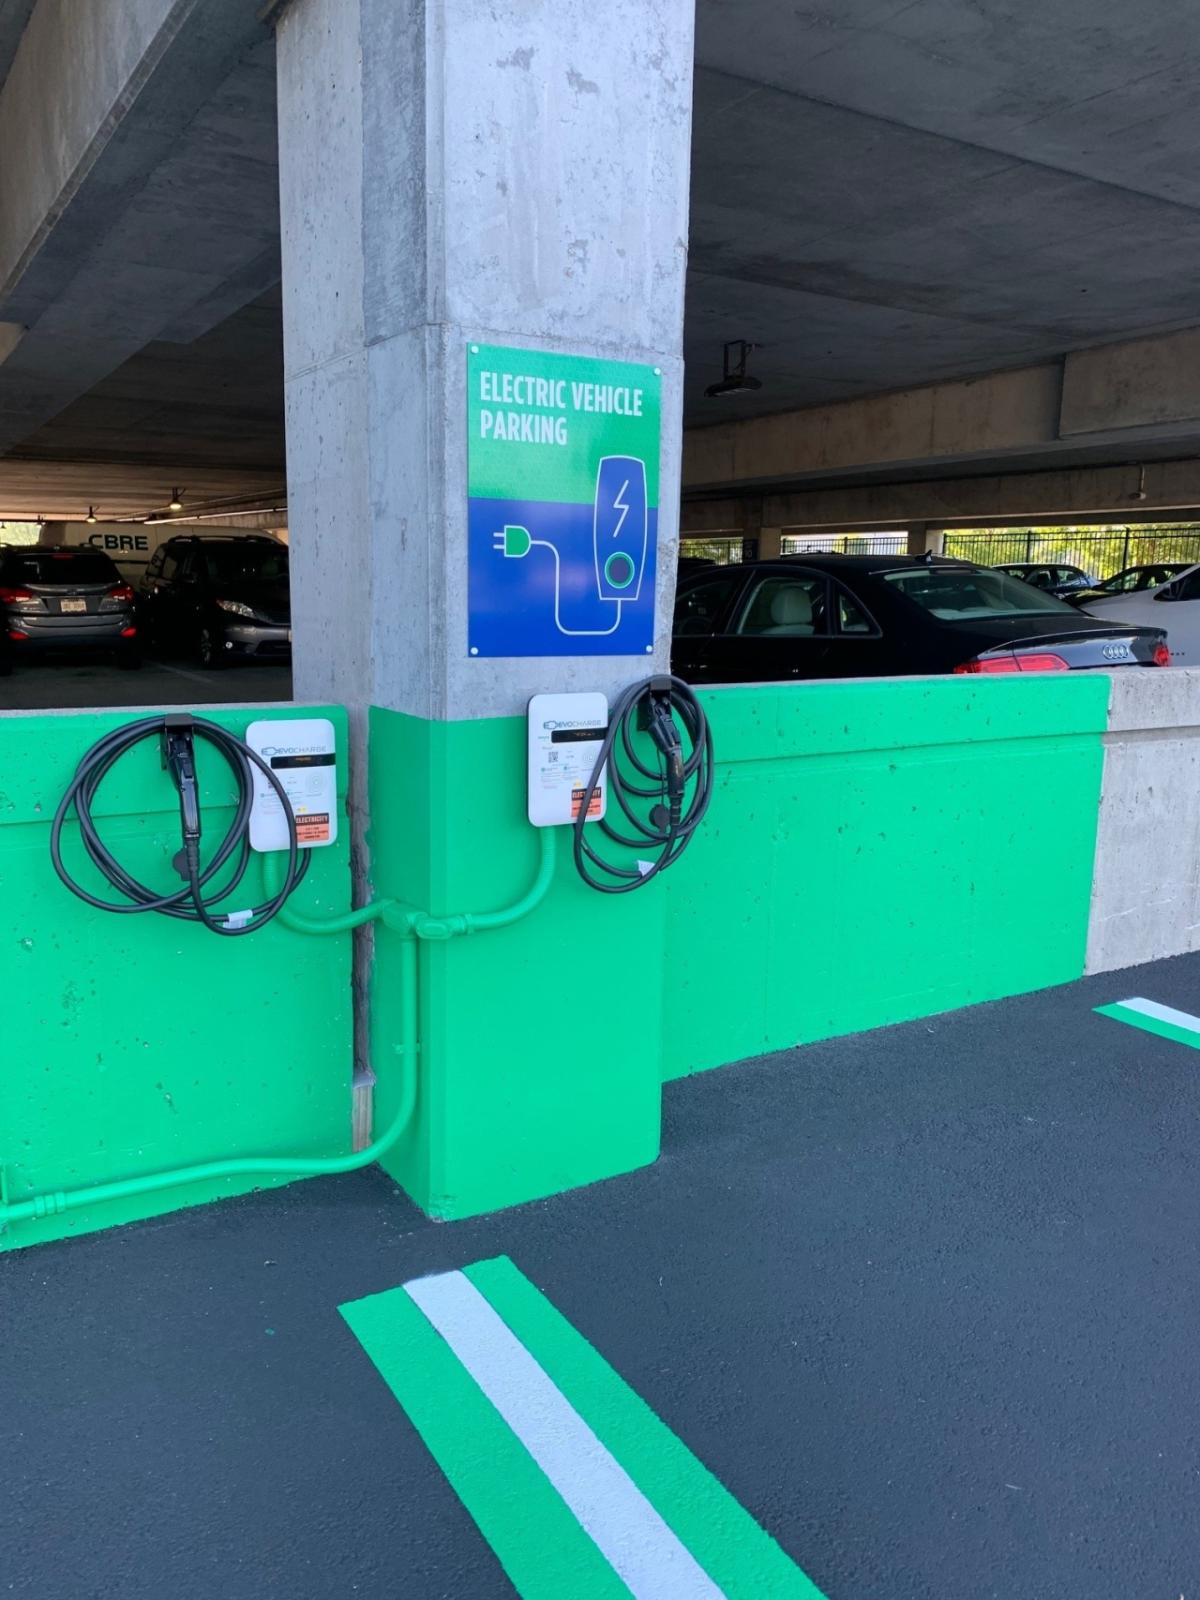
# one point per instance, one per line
(793, 606)
(851, 618)
(155, 564)
(169, 570)
(699, 607)
(1189, 587)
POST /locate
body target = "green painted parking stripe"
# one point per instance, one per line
(623, 1489)
(1151, 1017)
(540, 1545)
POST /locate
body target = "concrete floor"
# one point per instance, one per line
(924, 1300)
(88, 685)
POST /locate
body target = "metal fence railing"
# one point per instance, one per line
(726, 548)
(844, 544)
(1099, 551)
(721, 548)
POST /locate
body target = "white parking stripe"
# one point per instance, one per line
(1151, 1008)
(635, 1541)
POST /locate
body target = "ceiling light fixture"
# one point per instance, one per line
(176, 500)
(214, 516)
(91, 516)
(735, 378)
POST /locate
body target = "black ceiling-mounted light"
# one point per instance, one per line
(176, 500)
(735, 378)
(91, 516)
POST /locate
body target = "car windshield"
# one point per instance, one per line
(966, 594)
(255, 563)
(58, 566)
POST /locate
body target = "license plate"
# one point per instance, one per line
(73, 605)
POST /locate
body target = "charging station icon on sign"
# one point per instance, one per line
(619, 527)
(563, 468)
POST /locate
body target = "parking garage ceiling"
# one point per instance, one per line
(885, 193)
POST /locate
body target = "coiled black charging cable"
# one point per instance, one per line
(192, 902)
(660, 813)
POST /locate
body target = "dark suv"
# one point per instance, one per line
(224, 597)
(64, 598)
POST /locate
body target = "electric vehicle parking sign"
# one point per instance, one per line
(562, 509)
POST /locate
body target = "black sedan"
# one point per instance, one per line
(1053, 576)
(64, 599)
(885, 616)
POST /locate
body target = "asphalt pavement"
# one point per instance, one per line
(65, 684)
(924, 1300)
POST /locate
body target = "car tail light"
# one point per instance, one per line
(121, 592)
(15, 633)
(15, 597)
(128, 633)
(1043, 662)
(117, 598)
(1162, 655)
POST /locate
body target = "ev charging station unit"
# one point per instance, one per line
(632, 785)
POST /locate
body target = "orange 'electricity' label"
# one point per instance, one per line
(312, 827)
(577, 800)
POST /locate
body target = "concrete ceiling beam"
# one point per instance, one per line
(1157, 491)
(144, 198)
(121, 491)
(1138, 394)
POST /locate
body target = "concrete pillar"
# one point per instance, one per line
(924, 540)
(769, 543)
(452, 176)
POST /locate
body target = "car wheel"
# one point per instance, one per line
(209, 650)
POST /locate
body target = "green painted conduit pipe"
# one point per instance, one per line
(414, 925)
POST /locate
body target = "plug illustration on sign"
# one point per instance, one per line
(620, 534)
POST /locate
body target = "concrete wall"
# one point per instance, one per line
(1146, 887)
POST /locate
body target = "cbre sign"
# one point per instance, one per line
(128, 543)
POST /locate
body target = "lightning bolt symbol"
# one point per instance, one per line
(621, 505)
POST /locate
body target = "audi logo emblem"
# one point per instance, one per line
(1115, 652)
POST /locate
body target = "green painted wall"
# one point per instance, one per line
(874, 852)
(878, 851)
(541, 1043)
(133, 1044)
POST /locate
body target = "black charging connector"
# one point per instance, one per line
(656, 717)
(661, 813)
(179, 759)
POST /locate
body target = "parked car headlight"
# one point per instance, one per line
(236, 606)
